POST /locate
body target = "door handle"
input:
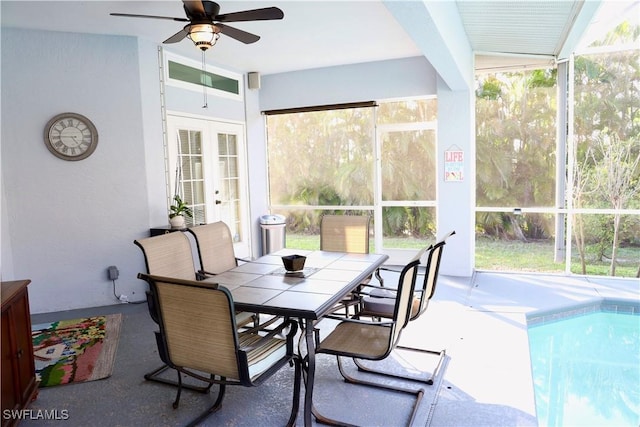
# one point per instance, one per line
(218, 202)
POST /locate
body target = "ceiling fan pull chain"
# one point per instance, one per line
(204, 82)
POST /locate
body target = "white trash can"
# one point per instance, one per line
(273, 233)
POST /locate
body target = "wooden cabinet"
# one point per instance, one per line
(19, 386)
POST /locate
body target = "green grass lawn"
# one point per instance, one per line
(501, 255)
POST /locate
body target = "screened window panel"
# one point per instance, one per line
(322, 157)
(408, 226)
(516, 141)
(408, 111)
(408, 165)
(592, 243)
(607, 124)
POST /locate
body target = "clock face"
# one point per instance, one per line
(71, 136)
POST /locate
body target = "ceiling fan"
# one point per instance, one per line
(205, 23)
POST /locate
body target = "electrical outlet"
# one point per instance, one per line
(123, 298)
(113, 272)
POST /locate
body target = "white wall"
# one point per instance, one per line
(348, 83)
(257, 163)
(65, 222)
(457, 199)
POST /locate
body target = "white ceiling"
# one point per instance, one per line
(318, 33)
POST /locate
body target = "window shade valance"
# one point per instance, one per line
(321, 108)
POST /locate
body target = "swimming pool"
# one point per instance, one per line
(586, 365)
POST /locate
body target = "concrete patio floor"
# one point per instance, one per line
(486, 379)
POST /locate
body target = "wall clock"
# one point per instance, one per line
(70, 136)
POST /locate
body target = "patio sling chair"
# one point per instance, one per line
(216, 253)
(378, 302)
(215, 248)
(372, 340)
(346, 233)
(201, 340)
(170, 255)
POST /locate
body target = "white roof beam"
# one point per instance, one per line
(437, 30)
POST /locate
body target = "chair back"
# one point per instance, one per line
(197, 320)
(168, 255)
(434, 255)
(345, 233)
(215, 247)
(404, 298)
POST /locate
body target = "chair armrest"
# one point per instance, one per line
(417, 293)
(394, 270)
(287, 323)
(368, 292)
(202, 275)
(355, 320)
(261, 326)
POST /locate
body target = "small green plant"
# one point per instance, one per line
(179, 207)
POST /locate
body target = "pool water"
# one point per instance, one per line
(586, 370)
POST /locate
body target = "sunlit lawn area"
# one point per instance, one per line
(501, 255)
(537, 256)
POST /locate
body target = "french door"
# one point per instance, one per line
(206, 166)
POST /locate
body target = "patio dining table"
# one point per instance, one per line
(264, 286)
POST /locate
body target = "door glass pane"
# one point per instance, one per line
(190, 174)
(229, 184)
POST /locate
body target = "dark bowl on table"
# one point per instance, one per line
(294, 262)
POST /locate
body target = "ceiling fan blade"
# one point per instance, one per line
(179, 36)
(194, 8)
(129, 15)
(240, 35)
(264, 14)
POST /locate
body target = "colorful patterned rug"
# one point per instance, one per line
(78, 350)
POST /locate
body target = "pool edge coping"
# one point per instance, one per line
(602, 304)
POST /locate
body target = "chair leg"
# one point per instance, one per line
(154, 376)
(297, 364)
(328, 421)
(428, 381)
(212, 409)
(177, 401)
(418, 393)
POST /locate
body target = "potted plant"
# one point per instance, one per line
(178, 211)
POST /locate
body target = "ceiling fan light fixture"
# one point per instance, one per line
(203, 36)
